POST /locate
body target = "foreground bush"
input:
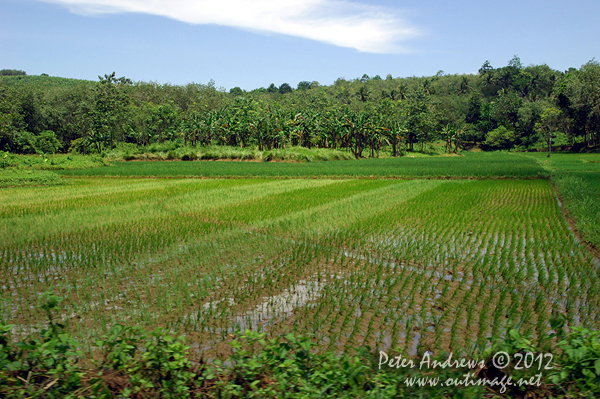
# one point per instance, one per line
(134, 363)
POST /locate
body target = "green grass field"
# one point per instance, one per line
(472, 165)
(156, 152)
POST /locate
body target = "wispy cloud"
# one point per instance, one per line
(342, 23)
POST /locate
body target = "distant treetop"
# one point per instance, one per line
(285, 88)
(304, 85)
(12, 72)
(236, 91)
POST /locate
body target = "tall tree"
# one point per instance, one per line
(107, 116)
(547, 125)
(417, 117)
(285, 88)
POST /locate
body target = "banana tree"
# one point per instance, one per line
(357, 128)
(191, 122)
(448, 133)
(378, 130)
(224, 126)
(243, 120)
(333, 129)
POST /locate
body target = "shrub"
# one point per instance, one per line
(47, 142)
(7, 160)
(134, 363)
(581, 360)
(500, 139)
(25, 143)
(42, 366)
(190, 156)
(82, 146)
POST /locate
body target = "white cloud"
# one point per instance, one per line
(342, 23)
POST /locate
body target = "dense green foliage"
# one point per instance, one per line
(12, 72)
(512, 106)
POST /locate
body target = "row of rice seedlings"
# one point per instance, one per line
(307, 253)
(503, 257)
(473, 165)
(41, 228)
(106, 192)
(102, 246)
(342, 258)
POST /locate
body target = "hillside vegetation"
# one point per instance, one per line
(391, 228)
(515, 106)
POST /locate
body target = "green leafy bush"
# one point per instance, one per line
(581, 360)
(43, 366)
(25, 142)
(190, 156)
(47, 142)
(499, 139)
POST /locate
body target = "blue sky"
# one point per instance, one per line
(252, 43)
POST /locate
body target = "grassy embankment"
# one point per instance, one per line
(39, 170)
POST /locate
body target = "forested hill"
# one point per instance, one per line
(42, 82)
(497, 108)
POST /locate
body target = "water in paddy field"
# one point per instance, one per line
(271, 309)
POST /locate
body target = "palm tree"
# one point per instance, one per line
(363, 93)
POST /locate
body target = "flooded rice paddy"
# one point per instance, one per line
(420, 265)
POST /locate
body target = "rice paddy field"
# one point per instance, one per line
(430, 264)
(471, 165)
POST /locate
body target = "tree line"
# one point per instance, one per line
(497, 108)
